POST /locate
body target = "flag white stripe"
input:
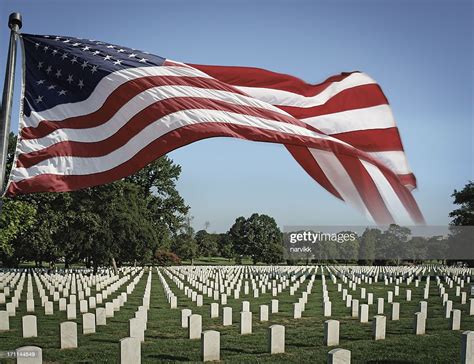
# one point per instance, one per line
(103, 89)
(375, 117)
(340, 179)
(391, 199)
(286, 98)
(394, 160)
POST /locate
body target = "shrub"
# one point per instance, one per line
(165, 258)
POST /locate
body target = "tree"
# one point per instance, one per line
(368, 243)
(461, 246)
(349, 250)
(257, 237)
(224, 246)
(464, 215)
(207, 244)
(392, 244)
(124, 221)
(15, 219)
(185, 247)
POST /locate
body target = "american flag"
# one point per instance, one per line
(94, 112)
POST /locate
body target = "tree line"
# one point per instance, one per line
(143, 219)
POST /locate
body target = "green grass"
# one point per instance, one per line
(166, 341)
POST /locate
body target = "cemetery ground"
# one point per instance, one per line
(167, 341)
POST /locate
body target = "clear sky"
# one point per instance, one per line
(420, 52)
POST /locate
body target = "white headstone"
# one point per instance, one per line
(214, 310)
(29, 355)
(245, 323)
(380, 306)
(88, 323)
(419, 323)
(327, 309)
(137, 329)
(378, 327)
(364, 313)
(355, 308)
(30, 305)
(48, 308)
(100, 316)
(4, 321)
(174, 302)
(339, 356)
(185, 313)
(210, 345)
(467, 347)
(276, 339)
(331, 333)
(227, 316)
(274, 306)
(395, 311)
(29, 326)
(370, 298)
(83, 306)
(62, 304)
(455, 322)
(263, 313)
(424, 308)
(11, 309)
(130, 350)
(195, 326)
(71, 311)
(408, 294)
(68, 331)
(296, 310)
(448, 307)
(109, 309)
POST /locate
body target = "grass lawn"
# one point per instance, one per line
(166, 341)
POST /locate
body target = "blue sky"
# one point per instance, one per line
(421, 53)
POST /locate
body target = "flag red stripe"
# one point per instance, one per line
(373, 140)
(305, 159)
(258, 77)
(118, 98)
(406, 198)
(407, 179)
(357, 97)
(367, 189)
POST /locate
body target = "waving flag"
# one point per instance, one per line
(94, 112)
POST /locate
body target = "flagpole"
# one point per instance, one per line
(14, 23)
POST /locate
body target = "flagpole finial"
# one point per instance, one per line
(14, 21)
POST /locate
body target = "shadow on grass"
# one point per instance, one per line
(167, 357)
(241, 351)
(389, 361)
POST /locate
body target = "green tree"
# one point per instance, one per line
(349, 250)
(257, 237)
(185, 247)
(124, 221)
(367, 247)
(15, 219)
(207, 243)
(464, 215)
(224, 246)
(461, 247)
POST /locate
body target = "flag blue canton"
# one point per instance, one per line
(63, 69)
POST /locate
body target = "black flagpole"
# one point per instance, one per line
(14, 23)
